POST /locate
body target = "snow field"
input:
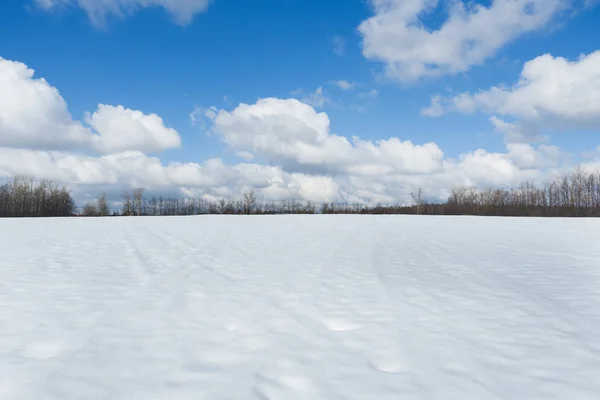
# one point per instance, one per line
(300, 307)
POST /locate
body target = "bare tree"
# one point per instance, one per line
(418, 199)
(127, 204)
(138, 194)
(249, 201)
(23, 197)
(293, 206)
(154, 206)
(102, 205)
(90, 210)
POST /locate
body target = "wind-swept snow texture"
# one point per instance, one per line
(300, 307)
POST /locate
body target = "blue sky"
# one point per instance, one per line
(237, 52)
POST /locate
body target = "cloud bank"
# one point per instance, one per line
(289, 149)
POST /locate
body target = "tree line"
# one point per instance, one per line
(576, 194)
(23, 197)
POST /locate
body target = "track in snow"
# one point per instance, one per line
(300, 307)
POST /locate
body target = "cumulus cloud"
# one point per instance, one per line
(482, 168)
(552, 93)
(396, 36)
(34, 115)
(181, 11)
(295, 135)
(544, 156)
(549, 87)
(119, 129)
(292, 150)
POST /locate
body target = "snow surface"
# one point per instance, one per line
(300, 307)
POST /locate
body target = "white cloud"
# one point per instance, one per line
(304, 159)
(515, 132)
(464, 103)
(134, 169)
(181, 11)
(544, 156)
(339, 45)
(344, 84)
(320, 98)
(34, 115)
(316, 99)
(435, 109)
(370, 95)
(293, 134)
(472, 33)
(482, 168)
(552, 93)
(214, 179)
(439, 105)
(549, 87)
(122, 129)
(197, 115)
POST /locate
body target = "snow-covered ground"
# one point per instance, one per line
(300, 307)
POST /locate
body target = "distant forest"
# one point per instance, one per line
(572, 195)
